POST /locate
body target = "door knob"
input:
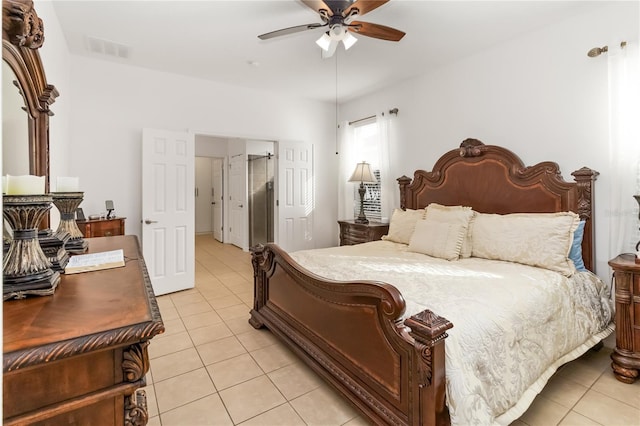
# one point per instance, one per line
(240, 205)
(149, 221)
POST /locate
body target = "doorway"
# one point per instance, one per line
(209, 184)
(261, 172)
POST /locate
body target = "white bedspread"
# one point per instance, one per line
(514, 325)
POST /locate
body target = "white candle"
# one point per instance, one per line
(25, 185)
(67, 184)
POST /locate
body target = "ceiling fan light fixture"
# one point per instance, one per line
(324, 42)
(348, 40)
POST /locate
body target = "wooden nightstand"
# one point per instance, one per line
(356, 233)
(101, 227)
(626, 356)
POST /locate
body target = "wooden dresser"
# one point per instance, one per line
(356, 233)
(101, 227)
(79, 356)
(626, 356)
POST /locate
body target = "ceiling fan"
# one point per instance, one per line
(338, 16)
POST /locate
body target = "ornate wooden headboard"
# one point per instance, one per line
(492, 179)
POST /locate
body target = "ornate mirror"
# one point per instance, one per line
(26, 111)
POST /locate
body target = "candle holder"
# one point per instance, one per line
(52, 245)
(26, 270)
(67, 203)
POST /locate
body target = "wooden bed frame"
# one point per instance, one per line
(353, 334)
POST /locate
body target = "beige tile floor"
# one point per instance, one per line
(211, 367)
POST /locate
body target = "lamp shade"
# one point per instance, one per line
(324, 41)
(363, 174)
(348, 40)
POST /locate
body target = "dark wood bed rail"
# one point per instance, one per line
(492, 179)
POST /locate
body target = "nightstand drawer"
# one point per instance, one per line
(101, 227)
(357, 233)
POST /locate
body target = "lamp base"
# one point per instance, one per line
(361, 217)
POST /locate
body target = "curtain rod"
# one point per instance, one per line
(391, 111)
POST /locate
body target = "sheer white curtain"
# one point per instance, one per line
(385, 123)
(347, 158)
(624, 146)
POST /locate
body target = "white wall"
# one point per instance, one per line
(113, 102)
(538, 95)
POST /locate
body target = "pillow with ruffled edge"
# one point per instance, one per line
(537, 239)
(454, 214)
(438, 239)
(402, 224)
(575, 254)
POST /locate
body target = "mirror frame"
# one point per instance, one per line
(22, 36)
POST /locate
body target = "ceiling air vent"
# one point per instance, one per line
(106, 47)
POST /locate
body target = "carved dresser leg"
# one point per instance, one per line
(135, 409)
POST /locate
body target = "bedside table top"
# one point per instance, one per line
(626, 261)
(371, 223)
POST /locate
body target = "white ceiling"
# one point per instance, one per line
(217, 39)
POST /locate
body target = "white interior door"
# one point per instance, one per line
(203, 195)
(238, 218)
(168, 212)
(218, 198)
(295, 195)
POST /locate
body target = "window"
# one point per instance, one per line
(366, 145)
(366, 141)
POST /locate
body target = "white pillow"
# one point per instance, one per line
(438, 239)
(537, 239)
(402, 224)
(454, 214)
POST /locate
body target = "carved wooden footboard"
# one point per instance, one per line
(351, 333)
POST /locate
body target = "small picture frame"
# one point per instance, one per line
(79, 214)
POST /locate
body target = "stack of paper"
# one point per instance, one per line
(95, 261)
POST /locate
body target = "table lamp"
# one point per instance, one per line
(362, 174)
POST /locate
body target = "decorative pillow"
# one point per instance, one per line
(438, 239)
(575, 254)
(454, 214)
(537, 239)
(402, 224)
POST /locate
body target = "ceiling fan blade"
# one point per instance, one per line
(376, 31)
(290, 30)
(317, 5)
(365, 6)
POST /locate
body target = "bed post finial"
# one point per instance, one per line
(403, 181)
(471, 148)
(585, 177)
(429, 332)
